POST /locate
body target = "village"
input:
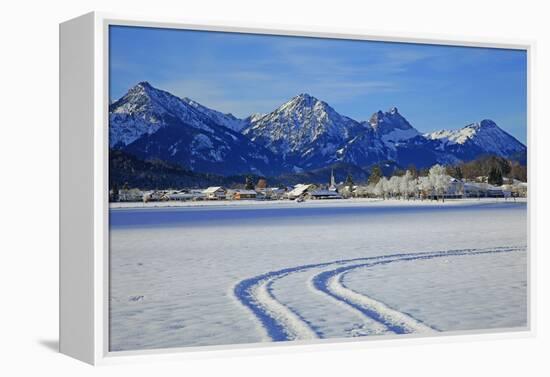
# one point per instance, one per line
(436, 185)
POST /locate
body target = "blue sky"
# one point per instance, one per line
(433, 86)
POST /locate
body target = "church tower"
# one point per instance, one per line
(332, 186)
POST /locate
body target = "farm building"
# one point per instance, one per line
(516, 188)
(495, 192)
(154, 196)
(455, 189)
(242, 194)
(484, 190)
(270, 193)
(323, 194)
(299, 190)
(180, 195)
(214, 193)
(473, 190)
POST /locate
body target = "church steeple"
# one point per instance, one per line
(332, 186)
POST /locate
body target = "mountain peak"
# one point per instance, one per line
(389, 120)
(141, 93)
(144, 84)
(141, 87)
(484, 125)
(304, 99)
(304, 103)
(487, 123)
(392, 127)
(144, 97)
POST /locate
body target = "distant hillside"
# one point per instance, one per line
(156, 174)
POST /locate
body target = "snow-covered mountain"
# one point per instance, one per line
(392, 127)
(384, 134)
(309, 133)
(484, 136)
(301, 135)
(227, 120)
(305, 131)
(143, 110)
(363, 149)
(153, 124)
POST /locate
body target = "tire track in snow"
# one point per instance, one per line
(331, 283)
(294, 326)
(283, 323)
(395, 321)
(279, 321)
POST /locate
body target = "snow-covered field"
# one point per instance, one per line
(213, 275)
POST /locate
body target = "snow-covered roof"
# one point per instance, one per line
(212, 189)
(324, 193)
(472, 185)
(180, 195)
(481, 186)
(245, 192)
(299, 189)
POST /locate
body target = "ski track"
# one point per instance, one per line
(283, 323)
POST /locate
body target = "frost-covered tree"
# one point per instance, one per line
(374, 187)
(394, 185)
(381, 188)
(439, 179)
(413, 187)
(404, 184)
(362, 191)
(377, 189)
(425, 186)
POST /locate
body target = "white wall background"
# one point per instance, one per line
(29, 188)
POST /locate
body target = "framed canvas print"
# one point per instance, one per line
(233, 188)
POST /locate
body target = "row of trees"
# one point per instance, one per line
(407, 185)
(494, 167)
(495, 174)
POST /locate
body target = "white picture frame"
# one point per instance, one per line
(84, 228)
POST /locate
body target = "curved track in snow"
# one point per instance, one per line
(282, 322)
